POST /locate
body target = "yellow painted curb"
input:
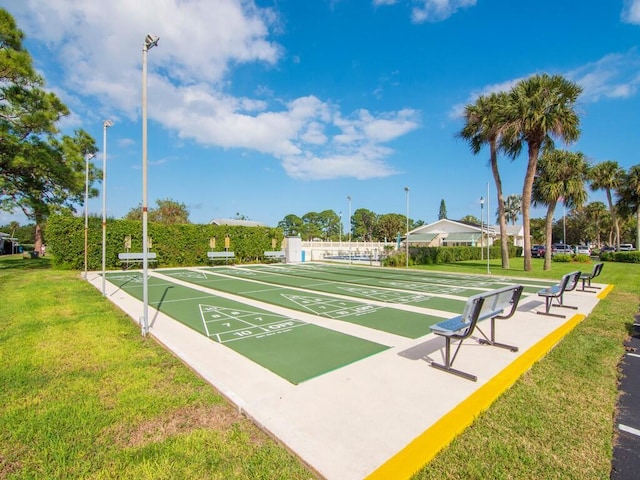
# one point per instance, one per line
(424, 447)
(605, 292)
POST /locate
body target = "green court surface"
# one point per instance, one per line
(386, 319)
(290, 348)
(368, 288)
(419, 280)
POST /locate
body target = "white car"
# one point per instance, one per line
(583, 249)
(626, 247)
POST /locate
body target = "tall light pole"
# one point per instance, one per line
(406, 191)
(349, 199)
(106, 124)
(87, 157)
(481, 227)
(150, 41)
(488, 243)
(340, 238)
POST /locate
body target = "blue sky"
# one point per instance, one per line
(271, 107)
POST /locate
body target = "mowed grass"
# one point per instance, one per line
(84, 396)
(556, 422)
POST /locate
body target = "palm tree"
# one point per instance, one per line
(483, 127)
(539, 108)
(630, 197)
(561, 174)
(595, 211)
(513, 208)
(608, 176)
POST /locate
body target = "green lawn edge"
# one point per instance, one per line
(84, 395)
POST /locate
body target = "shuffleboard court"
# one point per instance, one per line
(291, 277)
(386, 319)
(419, 280)
(293, 349)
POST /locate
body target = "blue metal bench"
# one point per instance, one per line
(217, 256)
(129, 259)
(500, 303)
(588, 276)
(568, 282)
(276, 255)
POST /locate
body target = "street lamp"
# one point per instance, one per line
(106, 124)
(488, 243)
(150, 41)
(406, 190)
(87, 157)
(340, 238)
(349, 198)
(481, 227)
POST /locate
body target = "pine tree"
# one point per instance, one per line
(443, 210)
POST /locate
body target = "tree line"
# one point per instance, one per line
(535, 113)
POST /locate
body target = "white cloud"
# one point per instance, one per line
(613, 76)
(97, 48)
(430, 10)
(631, 12)
(457, 110)
(437, 10)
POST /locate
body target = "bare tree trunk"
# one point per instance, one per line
(504, 240)
(37, 247)
(526, 202)
(548, 227)
(614, 217)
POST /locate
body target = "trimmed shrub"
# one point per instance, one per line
(562, 258)
(175, 245)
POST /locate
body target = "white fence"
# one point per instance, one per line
(362, 251)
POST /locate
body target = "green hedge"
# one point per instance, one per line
(175, 245)
(437, 255)
(623, 257)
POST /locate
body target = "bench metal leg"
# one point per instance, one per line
(549, 304)
(459, 373)
(449, 361)
(492, 341)
(586, 283)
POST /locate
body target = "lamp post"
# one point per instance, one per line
(106, 124)
(150, 41)
(340, 237)
(488, 243)
(87, 157)
(481, 227)
(406, 190)
(349, 199)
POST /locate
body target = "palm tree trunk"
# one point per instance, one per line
(526, 202)
(614, 217)
(504, 240)
(548, 224)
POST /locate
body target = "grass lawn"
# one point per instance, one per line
(85, 396)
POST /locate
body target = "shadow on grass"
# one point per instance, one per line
(19, 262)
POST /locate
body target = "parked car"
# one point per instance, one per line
(538, 251)
(626, 247)
(583, 249)
(561, 248)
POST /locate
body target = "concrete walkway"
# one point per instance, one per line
(384, 416)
